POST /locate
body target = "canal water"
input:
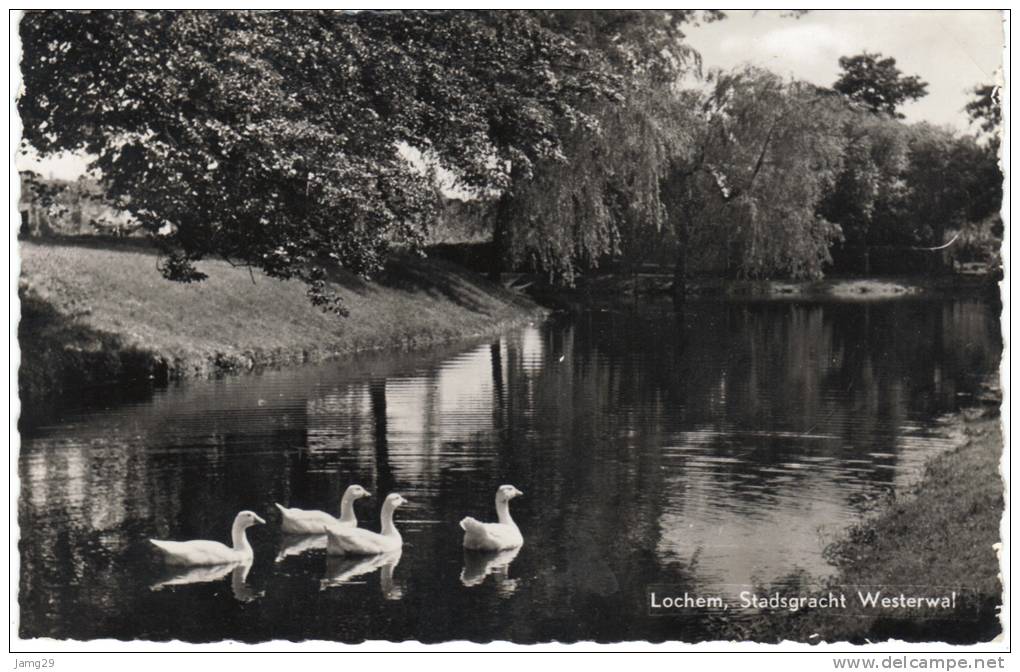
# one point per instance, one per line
(716, 452)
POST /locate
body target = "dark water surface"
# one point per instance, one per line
(715, 453)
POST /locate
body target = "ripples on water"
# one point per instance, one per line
(717, 452)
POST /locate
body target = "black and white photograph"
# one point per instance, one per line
(504, 328)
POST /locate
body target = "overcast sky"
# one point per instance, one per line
(951, 50)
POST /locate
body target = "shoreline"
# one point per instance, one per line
(835, 288)
(76, 331)
(937, 537)
(94, 315)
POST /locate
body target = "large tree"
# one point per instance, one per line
(747, 198)
(942, 194)
(605, 187)
(876, 83)
(275, 139)
(870, 183)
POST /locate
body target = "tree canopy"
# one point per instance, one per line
(869, 184)
(579, 207)
(273, 139)
(299, 142)
(876, 83)
(985, 108)
(765, 157)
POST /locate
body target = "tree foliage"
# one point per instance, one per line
(870, 184)
(607, 198)
(281, 140)
(646, 44)
(273, 139)
(985, 109)
(765, 157)
(877, 83)
(951, 181)
(605, 189)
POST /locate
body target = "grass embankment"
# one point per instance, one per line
(936, 538)
(99, 312)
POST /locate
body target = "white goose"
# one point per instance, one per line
(201, 552)
(494, 536)
(299, 521)
(359, 541)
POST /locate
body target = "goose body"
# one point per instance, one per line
(203, 552)
(359, 541)
(498, 536)
(299, 521)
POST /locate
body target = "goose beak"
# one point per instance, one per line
(518, 493)
(367, 494)
(259, 520)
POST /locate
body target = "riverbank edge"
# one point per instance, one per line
(592, 289)
(62, 350)
(940, 532)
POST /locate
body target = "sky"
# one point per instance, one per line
(952, 50)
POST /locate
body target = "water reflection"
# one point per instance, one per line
(480, 564)
(296, 544)
(238, 571)
(342, 571)
(240, 588)
(718, 447)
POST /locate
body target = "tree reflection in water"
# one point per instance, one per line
(730, 431)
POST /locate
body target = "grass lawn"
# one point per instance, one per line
(96, 312)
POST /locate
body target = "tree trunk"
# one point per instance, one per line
(496, 358)
(384, 473)
(679, 280)
(501, 232)
(680, 267)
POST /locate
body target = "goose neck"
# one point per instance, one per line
(386, 517)
(503, 512)
(347, 509)
(239, 537)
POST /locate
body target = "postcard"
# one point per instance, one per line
(508, 329)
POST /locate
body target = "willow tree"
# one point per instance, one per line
(606, 185)
(766, 154)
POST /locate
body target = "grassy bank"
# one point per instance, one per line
(936, 538)
(96, 313)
